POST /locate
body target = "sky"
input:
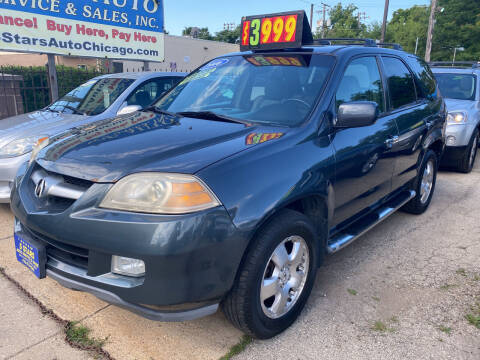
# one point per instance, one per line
(214, 13)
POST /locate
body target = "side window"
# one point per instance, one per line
(427, 85)
(400, 83)
(361, 82)
(150, 91)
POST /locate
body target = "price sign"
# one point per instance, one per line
(275, 31)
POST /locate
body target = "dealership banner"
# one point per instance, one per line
(115, 29)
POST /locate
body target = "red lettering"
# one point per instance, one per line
(51, 25)
(80, 29)
(144, 38)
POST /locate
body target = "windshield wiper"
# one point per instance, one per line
(52, 110)
(210, 115)
(157, 110)
(75, 111)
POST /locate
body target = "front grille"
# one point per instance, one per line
(59, 191)
(66, 257)
(72, 255)
(78, 182)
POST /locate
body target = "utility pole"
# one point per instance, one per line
(311, 15)
(431, 25)
(384, 24)
(324, 11)
(416, 46)
(52, 77)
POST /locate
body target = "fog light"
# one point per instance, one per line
(451, 140)
(126, 266)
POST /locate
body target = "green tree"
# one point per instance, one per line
(374, 30)
(408, 24)
(344, 23)
(229, 36)
(203, 33)
(458, 25)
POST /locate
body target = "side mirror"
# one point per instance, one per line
(129, 109)
(357, 114)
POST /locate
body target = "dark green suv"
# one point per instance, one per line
(234, 186)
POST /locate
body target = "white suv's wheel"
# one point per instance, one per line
(468, 160)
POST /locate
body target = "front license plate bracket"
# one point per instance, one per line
(32, 254)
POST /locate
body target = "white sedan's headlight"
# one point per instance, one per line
(160, 193)
(41, 143)
(457, 117)
(19, 147)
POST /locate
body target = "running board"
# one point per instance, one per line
(361, 226)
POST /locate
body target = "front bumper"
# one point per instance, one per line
(453, 155)
(149, 313)
(8, 170)
(458, 135)
(191, 260)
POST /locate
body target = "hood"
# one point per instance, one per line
(460, 105)
(105, 151)
(36, 123)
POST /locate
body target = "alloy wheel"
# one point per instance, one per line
(473, 151)
(427, 182)
(284, 277)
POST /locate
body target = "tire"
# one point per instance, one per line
(468, 159)
(419, 204)
(243, 305)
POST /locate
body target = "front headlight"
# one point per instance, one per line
(457, 117)
(19, 147)
(160, 193)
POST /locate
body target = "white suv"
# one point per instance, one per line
(459, 84)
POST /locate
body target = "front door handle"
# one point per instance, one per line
(391, 141)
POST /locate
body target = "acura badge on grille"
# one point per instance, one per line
(40, 188)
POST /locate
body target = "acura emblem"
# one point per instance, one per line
(40, 188)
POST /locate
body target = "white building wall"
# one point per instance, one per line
(184, 54)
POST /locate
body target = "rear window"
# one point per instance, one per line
(457, 86)
(426, 84)
(400, 83)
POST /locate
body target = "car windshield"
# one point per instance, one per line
(272, 89)
(91, 98)
(457, 86)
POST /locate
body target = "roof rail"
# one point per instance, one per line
(348, 41)
(464, 64)
(393, 45)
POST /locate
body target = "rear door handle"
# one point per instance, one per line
(391, 141)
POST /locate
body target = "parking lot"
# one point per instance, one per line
(402, 291)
